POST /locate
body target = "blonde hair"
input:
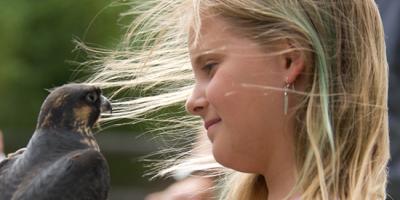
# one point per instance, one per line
(342, 145)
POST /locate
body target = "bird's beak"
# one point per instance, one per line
(105, 105)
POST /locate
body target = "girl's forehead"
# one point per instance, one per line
(205, 25)
(218, 36)
(213, 33)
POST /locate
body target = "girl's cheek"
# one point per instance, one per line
(212, 90)
(220, 89)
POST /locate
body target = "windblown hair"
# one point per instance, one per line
(342, 145)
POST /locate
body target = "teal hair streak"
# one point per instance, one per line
(322, 65)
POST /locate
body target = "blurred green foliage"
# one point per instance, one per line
(36, 45)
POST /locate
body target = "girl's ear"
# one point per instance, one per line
(294, 65)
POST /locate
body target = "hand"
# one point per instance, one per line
(191, 188)
(1, 143)
(2, 156)
(18, 152)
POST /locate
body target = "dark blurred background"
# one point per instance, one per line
(37, 53)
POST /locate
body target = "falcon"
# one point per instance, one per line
(62, 159)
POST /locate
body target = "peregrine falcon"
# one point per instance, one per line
(62, 159)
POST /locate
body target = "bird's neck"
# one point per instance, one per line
(59, 141)
(78, 126)
(87, 137)
(90, 141)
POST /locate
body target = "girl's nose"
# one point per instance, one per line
(196, 103)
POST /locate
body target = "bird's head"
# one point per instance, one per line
(73, 107)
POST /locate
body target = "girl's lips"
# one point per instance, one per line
(209, 123)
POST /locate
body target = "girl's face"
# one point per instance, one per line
(244, 120)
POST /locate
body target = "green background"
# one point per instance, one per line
(37, 53)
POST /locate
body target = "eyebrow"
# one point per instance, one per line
(198, 58)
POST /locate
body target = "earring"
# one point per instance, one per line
(286, 98)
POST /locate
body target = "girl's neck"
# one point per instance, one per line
(281, 177)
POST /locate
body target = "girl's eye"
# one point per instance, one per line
(208, 67)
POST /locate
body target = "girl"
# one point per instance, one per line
(291, 93)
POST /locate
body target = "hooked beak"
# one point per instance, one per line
(105, 106)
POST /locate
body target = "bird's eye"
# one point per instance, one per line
(91, 97)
